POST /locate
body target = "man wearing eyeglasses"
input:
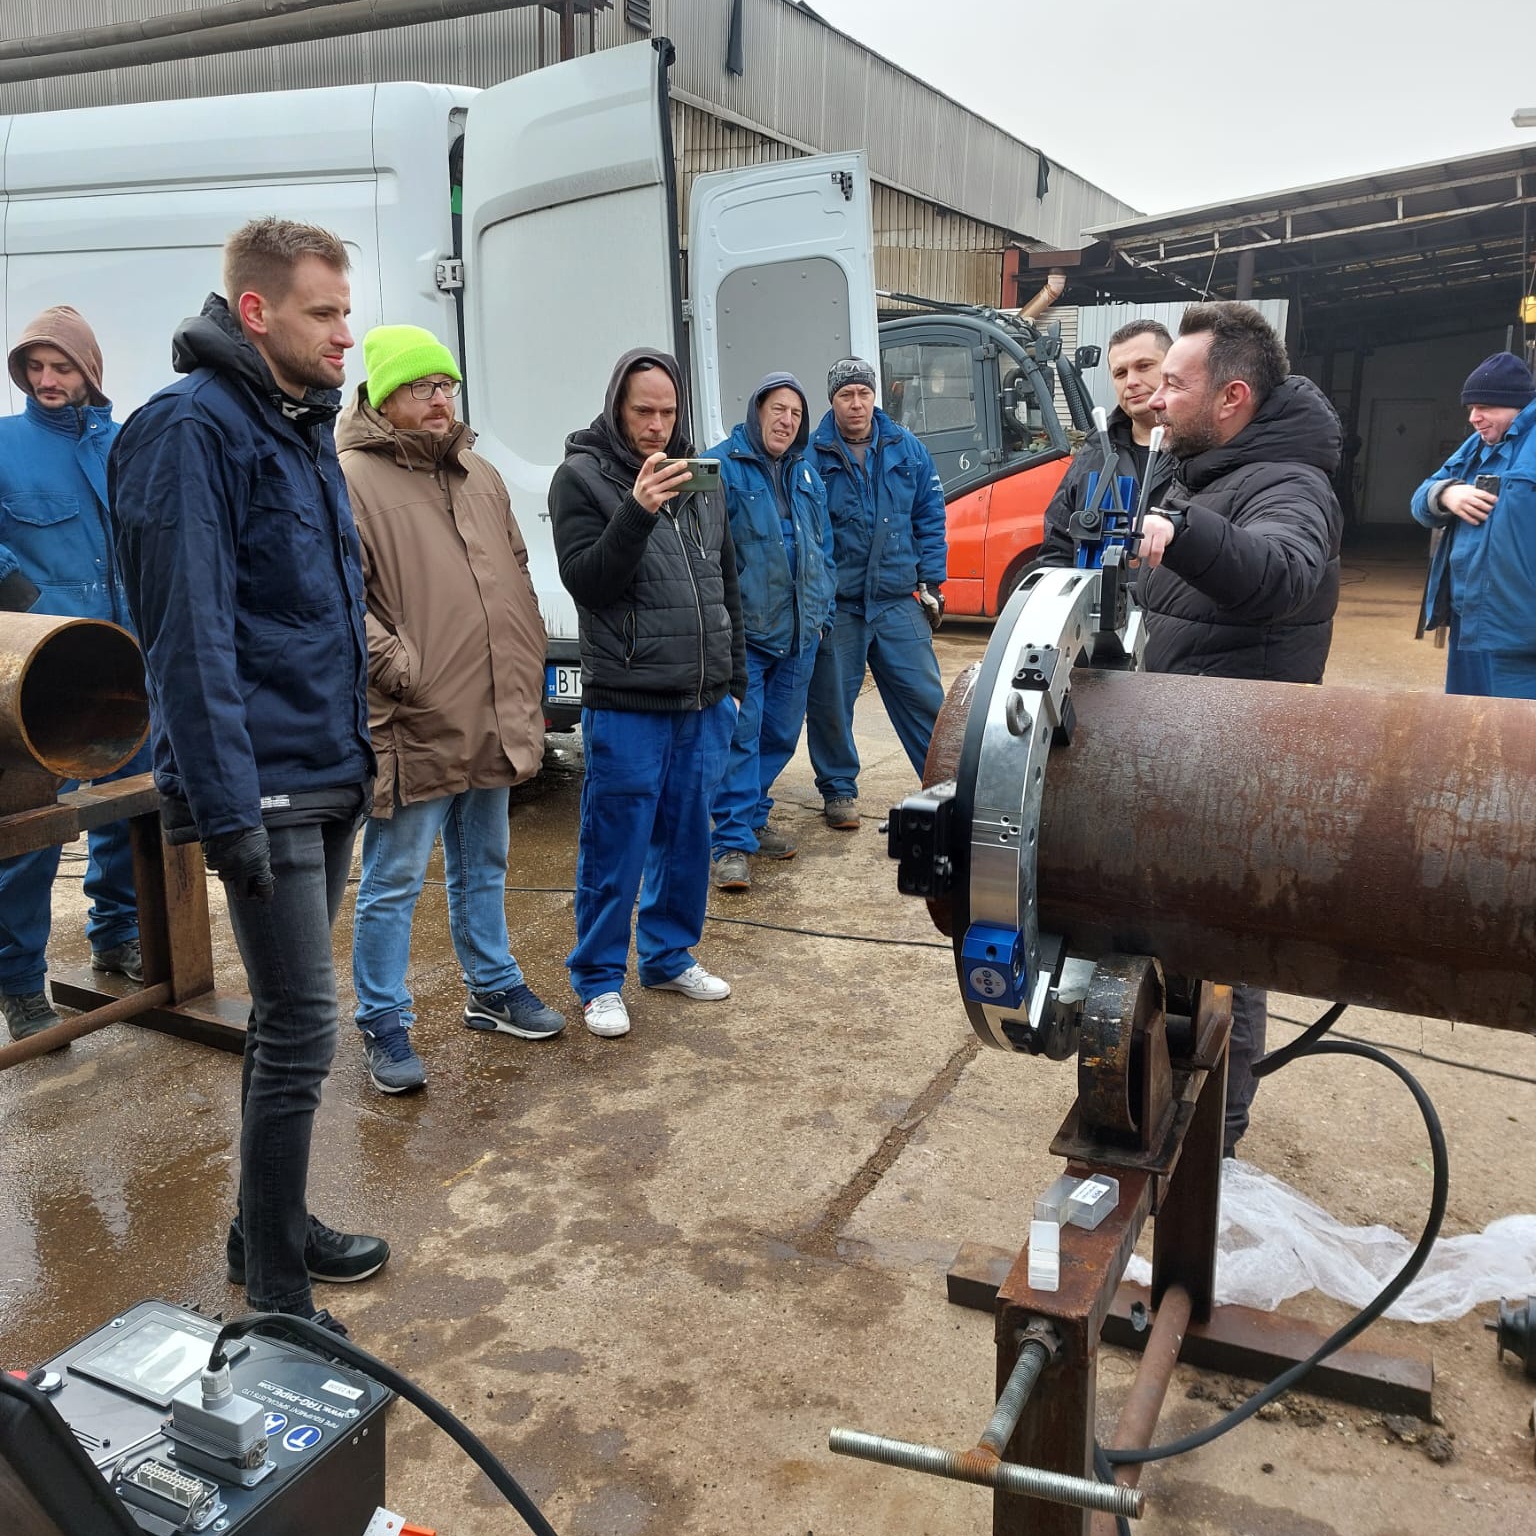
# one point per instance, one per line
(455, 695)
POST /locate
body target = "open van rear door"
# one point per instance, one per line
(781, 277)
(570, 259)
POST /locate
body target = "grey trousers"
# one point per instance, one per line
(1250, 1016)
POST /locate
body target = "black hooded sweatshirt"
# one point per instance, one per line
(658, 609)
(1250, 586)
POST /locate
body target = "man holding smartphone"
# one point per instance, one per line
(663, 670)
(1482, 577)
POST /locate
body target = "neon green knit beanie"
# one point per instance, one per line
(401, 354)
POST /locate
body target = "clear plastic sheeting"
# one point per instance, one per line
(1274, 1243)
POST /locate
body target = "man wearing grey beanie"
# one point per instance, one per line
(1482, 578)
(887, 510)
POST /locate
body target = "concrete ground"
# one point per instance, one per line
(653, 1273)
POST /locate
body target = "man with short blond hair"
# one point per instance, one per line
(243, 570)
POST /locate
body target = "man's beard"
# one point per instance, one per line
(1194, 438)
(296, 367)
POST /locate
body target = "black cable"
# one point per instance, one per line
(1106, 1474)
(1300, 1045)
(328, 1343)
(1422, 1055)
(1384, 1298)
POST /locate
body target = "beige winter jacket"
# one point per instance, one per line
(455, 641)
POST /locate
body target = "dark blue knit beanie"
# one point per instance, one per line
(1499, 380)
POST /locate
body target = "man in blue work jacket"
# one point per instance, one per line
(887, 509)
(56, 557)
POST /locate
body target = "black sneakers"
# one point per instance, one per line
(336, 1258)
(27, 1013)
(518, 1012)
(125, 959)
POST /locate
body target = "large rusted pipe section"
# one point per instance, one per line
(1353, 844)
(72, 697)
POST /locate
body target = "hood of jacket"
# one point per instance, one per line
(65, 328)
(754, 426)
(213, 339)
(363, 429)
(605, 437)
(1295, 425)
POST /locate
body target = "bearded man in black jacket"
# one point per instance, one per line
(1241, 559)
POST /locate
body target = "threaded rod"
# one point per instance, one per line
(981, 1467)
(1005, 1417)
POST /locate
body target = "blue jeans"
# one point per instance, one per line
(895, 643)
(473, 825)
(650, 777)
(26, 896)
(766, 735)
(289, 1041)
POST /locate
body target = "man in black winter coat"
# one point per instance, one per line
(1135, 359)
(663, 670)
(1241, 558)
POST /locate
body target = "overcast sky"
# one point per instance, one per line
(1173, 104)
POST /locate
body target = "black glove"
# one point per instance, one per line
(18, 593)
(243, 861)
(932, 600)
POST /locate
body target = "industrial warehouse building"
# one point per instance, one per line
(955, 197)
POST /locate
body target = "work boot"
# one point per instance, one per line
(28, 1014)
(731, 872)
(774, 845)
(696, 983)
(517, 1011)
(842, 815)
(335, 1258)
(122, 959)
(391, 1059)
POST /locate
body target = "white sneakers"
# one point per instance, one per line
(607, 1016)
(696, 983)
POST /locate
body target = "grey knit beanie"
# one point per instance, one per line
(846, 371)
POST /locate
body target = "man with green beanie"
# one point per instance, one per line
(455, 694)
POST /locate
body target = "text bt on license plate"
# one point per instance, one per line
(562, 685)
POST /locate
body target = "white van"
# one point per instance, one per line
(531, 226)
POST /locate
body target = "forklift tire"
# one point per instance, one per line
(1015, 579)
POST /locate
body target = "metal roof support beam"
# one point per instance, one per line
(1216, 248)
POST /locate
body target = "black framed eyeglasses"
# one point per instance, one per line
(424, 389)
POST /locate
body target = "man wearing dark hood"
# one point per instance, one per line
(56, 557)
(243, 571)
(783, 541)
(663, 669)
(1242, 555)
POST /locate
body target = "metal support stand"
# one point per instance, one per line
(177, 996)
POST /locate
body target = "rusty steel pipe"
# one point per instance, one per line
(1144, 1402)
(1352, 844)
(72, 696)
(129, 1006)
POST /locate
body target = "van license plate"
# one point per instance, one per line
(562, 685)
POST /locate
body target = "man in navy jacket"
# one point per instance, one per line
(887, 508)
(243, 571)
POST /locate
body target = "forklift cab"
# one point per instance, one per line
(981, 404)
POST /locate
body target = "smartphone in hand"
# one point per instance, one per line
(1489, 483)
(704, 474)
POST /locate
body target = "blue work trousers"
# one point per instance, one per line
(650, 779)
(26, 896)
(895, 643)
(289, 1041)
(766, 735)
(1487, 674)
(473, 827)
